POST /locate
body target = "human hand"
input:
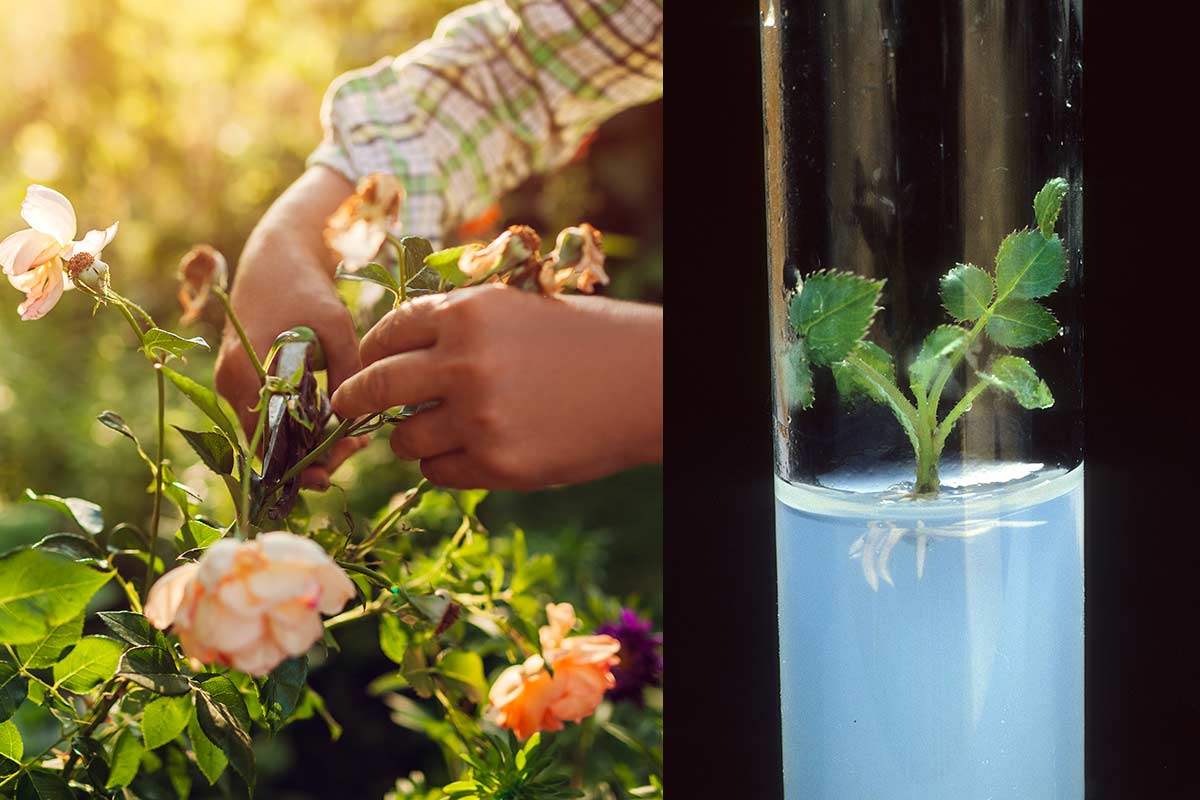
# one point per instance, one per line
(534, 391)
(284, 279)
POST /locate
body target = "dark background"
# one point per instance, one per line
(1142, 543)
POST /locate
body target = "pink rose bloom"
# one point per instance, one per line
(360, 225)
(34, 259)
(528, 699)
(250, 605)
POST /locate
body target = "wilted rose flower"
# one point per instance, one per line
(199, 270)
(518, 245)
(528, 699)
(577, 254)
(250, 605)
(362, 222)
(641, 662)
(34, 260)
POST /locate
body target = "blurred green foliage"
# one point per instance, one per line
(184, 120)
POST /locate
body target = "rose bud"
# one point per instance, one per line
(199, 270)
(250, 605)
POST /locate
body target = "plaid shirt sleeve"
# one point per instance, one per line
(504, 89)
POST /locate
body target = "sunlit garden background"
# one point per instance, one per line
(184, 121)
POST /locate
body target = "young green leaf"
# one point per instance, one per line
(1017, 322)
(466, 668)
(126, 757)
(1048, 202)
(153, 668)
(850, 381)
(48, 650)
(91, 663)
(13, 689)
(833, 312)
(209, 757)
(164, 719)
(87, 515)
(40, 590)
(282, 690)
(371, 273)
(196, 535)
(204, 399)
(797, 378)
(213, 448)
(11, 744)
(966, 292)
(1017, 377)
(393, 638)
(1029, 264)
(940, 345)
(169, 343)
(445, 263)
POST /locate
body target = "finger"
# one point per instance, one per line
(405, 379)
(425, 434)
(412, 326)
(315, 477)
(455, 470)
(339, 340)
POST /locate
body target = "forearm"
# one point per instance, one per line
(291, 232)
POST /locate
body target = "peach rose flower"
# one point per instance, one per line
(528, 699)
(34, 259)
(250, 605)
(362, 222)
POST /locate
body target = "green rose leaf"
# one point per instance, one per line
(75, 546)
(1017, 377)
(416, 672)
(1047, 203)
(42, 785)
(87, 515)
(224, 719)
(966, 292)
(445, 264)
(93, 661)
(153, 668)
(1029, 264)
(416, 250)
(209, 757)
(282, 690)
(832, 313)
(393, 638)
(179, 773)
(196, 535)
(371, 273)
(213, 448)
(939, 346)
(133, 628)
(40, 590)
(11, 744)
(850, 381)
(465, 668)
(1017, 322)
(14, 687)
(169, 343)
(164, 719)
(49, 650)
(797, 377)
(204, 399)
(126, 757)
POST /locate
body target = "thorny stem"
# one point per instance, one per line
(264, 400)
(241, 332)
(410, 500)
(403, 268)
(158, 479)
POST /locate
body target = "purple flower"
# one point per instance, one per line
(641, 662)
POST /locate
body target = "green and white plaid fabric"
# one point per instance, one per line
(504, 89)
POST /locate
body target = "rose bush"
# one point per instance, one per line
(223, 617)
